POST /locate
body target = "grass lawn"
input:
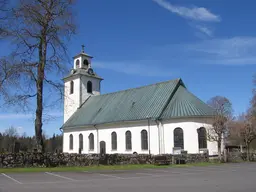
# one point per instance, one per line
(95, 168)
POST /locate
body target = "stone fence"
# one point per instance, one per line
(9, 160)
(240, 157)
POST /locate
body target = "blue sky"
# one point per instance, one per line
(210, 44)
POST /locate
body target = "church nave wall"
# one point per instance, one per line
(105, 134)
(190, 135)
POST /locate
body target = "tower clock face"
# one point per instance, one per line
(90, 71)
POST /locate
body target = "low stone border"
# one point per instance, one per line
(12, 160)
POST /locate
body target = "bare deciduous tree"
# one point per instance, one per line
(8, 75)
(11, 132)
(9, 137)
(220, 125)
(3, 4)
(41, 30)
(9, 78)
(244, 130)
(2, 9)
(253, 101)
(3, 16)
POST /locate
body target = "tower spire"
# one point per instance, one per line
(83, 48)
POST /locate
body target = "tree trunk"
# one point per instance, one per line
(225, 156)
(38, 121)
(241, 148)
(247, 152)
(219, 150)
(39, 86)
(39, 113)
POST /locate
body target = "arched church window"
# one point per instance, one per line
(71, 87)
(77, 63)
(91, 142)
(89, 87)
(128, 140)
(178, 137)
(70, 142)
(202, 138)
(114, 140)
(144, 140)
(81, 141)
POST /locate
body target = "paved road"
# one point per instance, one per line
(223, 178)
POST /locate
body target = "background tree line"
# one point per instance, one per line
(11, 141)
(233, 130)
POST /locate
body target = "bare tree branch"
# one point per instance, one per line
(41, 30)
(244, 130)
(9, 77)
(253, 100)
(221, 121)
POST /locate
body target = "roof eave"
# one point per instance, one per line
(183, 117)
(84, 54)
(73, 75)
(107, 123)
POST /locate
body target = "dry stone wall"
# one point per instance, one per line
(240, 157)
(9, 160)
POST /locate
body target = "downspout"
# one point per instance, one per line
(162, 136)
(159, 149)
(149, 136)
(165, 106)
(97, 130)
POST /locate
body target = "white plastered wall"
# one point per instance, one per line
(104, 134)
(95, 87)
(161, 137)
(71, 101)
(190, 135)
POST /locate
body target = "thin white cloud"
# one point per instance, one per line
(194, 13)
(225, 51)
(232, 50)
(14, 116)
(26, 116)
(135, 68)
(205, 30)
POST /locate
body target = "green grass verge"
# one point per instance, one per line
(97, 168)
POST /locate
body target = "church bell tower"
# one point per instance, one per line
(80, 84)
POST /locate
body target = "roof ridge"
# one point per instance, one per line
(170, 98)
(129, 89)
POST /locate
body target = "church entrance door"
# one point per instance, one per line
(102, 147)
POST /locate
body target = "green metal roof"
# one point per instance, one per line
(185, 104)
(157, 101)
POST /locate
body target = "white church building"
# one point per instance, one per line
(161, 118)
